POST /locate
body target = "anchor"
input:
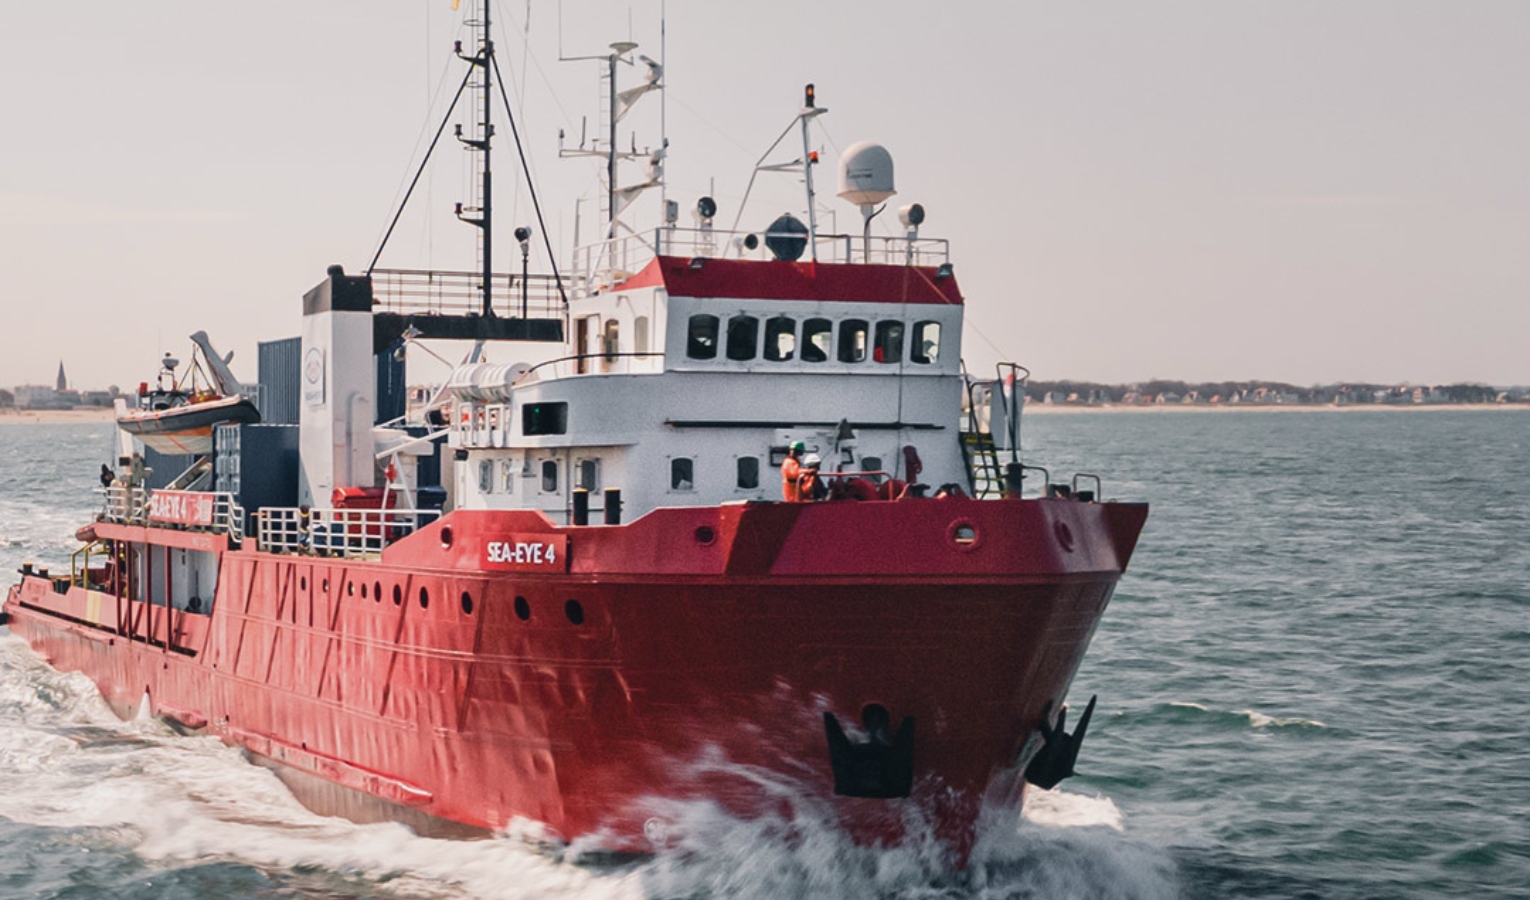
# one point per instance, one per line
(1059, 750)
(883, 766)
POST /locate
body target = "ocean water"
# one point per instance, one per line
(1314, 682)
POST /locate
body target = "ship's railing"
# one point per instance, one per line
(228, 516)
(125, 505)
(432, 292)
(336, 532)
(613, 261)
(134, 505)
(651, 362)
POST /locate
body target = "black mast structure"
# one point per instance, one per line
(484, 60)
(482, 216)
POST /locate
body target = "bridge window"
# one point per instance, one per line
(682, 474)
(486, 476)
(749, 472)
(889, 343)
(507, 475)
(816, 338)
(871, 464)
(852, 340)
(701, 343)
(926, 348)
(743, 337)
(780, 338)
(544, 418)
(549, 476)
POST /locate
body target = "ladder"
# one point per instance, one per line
(985, 477)
(980, 414)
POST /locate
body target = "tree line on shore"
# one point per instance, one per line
(1163, 391)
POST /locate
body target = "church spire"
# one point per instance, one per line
(63, 383)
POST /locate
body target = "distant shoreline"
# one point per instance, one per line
(102, 414)
(56, 416)
(1049, 409)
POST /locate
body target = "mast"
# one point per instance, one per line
(617, 104)
(611, 144)
(810, 111)
(488, 193)
(483, 59)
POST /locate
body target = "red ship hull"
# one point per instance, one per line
(689, 654)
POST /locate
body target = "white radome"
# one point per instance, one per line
(866, 174)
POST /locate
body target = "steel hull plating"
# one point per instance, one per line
(690, 654)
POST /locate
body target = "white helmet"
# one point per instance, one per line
(811, 461)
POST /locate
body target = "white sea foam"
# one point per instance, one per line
(177, 801)
(1060, 809)
(1260, 720)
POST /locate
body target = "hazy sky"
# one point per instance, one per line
(1305, 191)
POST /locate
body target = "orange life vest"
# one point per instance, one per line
(791, 469)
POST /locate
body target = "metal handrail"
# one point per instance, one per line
(618, 258)
(125, 504)
(1099, 486)
(598, 356)
(441, 292)
(348, 533)
(129, 505)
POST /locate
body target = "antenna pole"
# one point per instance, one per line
(664, 105)
(809, 110)
(488, 194)
(611, 154)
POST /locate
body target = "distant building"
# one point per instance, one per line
(42, 396)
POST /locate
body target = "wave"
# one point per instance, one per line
(1178, 711)
(181, 804)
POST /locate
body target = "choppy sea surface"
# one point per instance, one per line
(1314, 682)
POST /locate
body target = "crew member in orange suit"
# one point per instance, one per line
(791, 470)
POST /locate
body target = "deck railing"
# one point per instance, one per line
(336, 532)
(612, 261)
(431, 292)
(125, 505)
(133, 505)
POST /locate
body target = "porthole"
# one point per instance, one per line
(467, 603)
(1064, 535)
(363, 592)
(325, 587)
(705, 535)
(522, 609)
(575, 612)
(302, 583)
(398, 596)
(964, 535)
(377, 591)
(446, 536)
(424, 598)
(350, 589)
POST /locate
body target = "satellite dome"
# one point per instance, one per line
(866, 174)
(786, 238)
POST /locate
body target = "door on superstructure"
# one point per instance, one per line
(586, 343)
(581, 340)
